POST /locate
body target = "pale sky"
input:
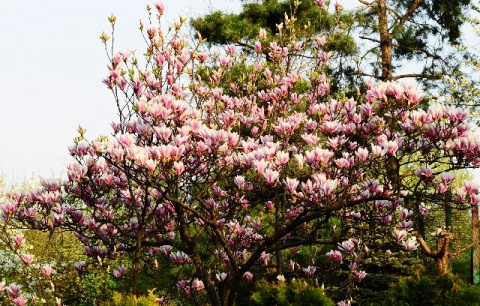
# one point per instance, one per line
(51, 66)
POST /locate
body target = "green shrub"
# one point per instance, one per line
(433, 291)
(121, 299)
(289, 293)
(373, 290)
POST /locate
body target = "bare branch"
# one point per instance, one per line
(416, 75)
(365, 74)
(410, 12)
(425, 247)
(465, 248)
(366, 3)
(369, 38)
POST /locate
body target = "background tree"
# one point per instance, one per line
(307, 19)
(418, 39)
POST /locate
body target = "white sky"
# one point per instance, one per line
(51, 66)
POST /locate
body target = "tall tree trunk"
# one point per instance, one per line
(385, 42)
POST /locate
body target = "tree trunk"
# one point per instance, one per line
(385, 42)
(442, 258)
(136, 262)
(443, 264)
(442, 254)
(475, 254)
(232, 294)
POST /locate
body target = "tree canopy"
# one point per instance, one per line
(395, 39)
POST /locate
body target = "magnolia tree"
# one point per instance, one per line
(225, 165)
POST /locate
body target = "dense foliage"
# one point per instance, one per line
(433, 290)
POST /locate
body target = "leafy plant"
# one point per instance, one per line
(295, 292)
(433, 291)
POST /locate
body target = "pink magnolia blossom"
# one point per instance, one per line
(447, 178)
(335, 255)
(197, 284)
(19, 240)
(424, 209)
(160, 7)
(13, 290)
(271, 176)
(79, 266)
(410, 244)
(292, 265)
(441, 188)
(362, 154)
(239, 181)
(338, 7)
(221, 276)
(300, 160)
(248, 275)
(291, 184)
(265, 257)
(470, 187)
(329, 186)
(310, 271)
(165, 249)
(404, 224)
(119, 271)
(20, 301)
(320, 41)
(400, 234)
(474, 199)
(425, 172)
(260, 165)
(359, 275)
(348, 246)
(405, 213)
(179, 168)
(27, 258)
(258, 47)
(47, 270)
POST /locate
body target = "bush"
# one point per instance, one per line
(132, 300)
(291, 293)
(373, 290)
(153, 297)
(433, 291)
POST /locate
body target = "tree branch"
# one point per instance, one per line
(416, 75)
(410, 12)
(423, 50)
(366, 3)
(365, 74)
(465, 248)
(425, 247)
